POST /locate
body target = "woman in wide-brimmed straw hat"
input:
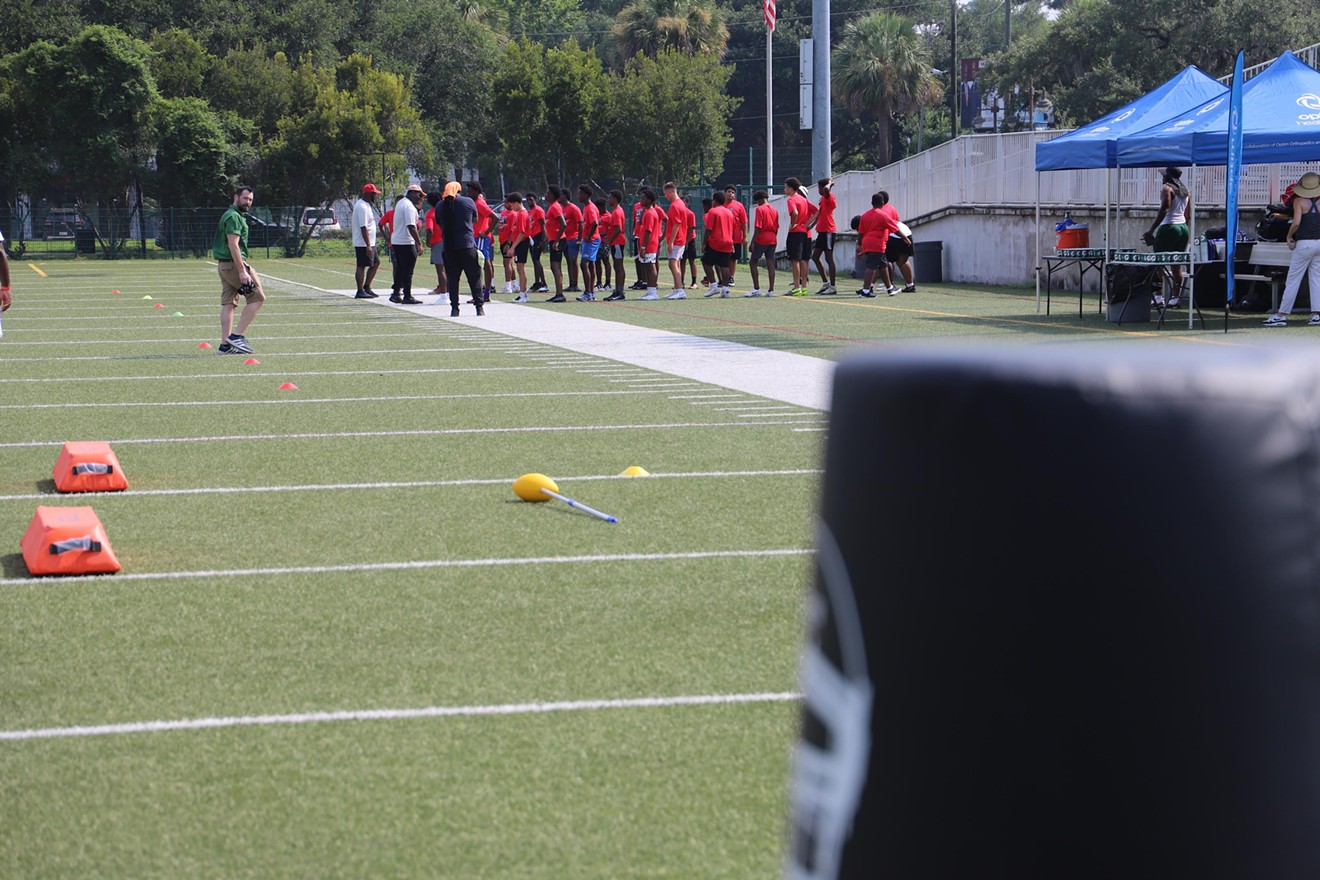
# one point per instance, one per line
(1304, 241)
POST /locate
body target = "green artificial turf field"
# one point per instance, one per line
(294, 559)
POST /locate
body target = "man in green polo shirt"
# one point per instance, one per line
(236, 276)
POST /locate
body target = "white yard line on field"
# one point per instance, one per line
(403, 484)
(790, 419)
(537, 708)
(288, 401)
(409, 565)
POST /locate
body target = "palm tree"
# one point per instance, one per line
(881, 66)
(693, 27)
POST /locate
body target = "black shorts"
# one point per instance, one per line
(824, 243)
(616, 251)
(896, 251)
(538, 247)
(799, 246)
(366, 259)
(763, 250)
(716, 258)
(875, 259)
(636, 246)
(556, 251)
(738, 252)
(520, 251)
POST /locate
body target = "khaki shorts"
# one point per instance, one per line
(229, 283)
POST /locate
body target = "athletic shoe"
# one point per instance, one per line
(361, 294)
(755, 291)
(239, 344)
(479, 310)
(520, 298)
(1174, 302)
(1159, 302)
(650, 294)
(714, 289)
(539, 287)
(825, 290)
(508, 288)
(453, 311)
(395, 298)
(866, 292)
(1277, 320)
(637, 285)
(679, 294)
(1314, 322)
(910, 288)
(225, 348)
(724, 293)
(558, 298)
(369, 292)
(412, 301)
(587, 297)
(770, 293)
(616, 296)
(892, 291)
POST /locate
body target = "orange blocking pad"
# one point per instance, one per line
(89, 467)
(67, 540)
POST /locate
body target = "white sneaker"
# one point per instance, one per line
(755, 291)
(892, 291)
(724, 293)
(520, 298)
(714, 289)
(508, 288)
(1276, 320)
(650, 294)
(677, 294)
(769, 293)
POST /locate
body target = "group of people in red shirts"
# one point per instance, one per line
(586, 240)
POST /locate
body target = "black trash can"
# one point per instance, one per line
(84, 241)
(928, 261)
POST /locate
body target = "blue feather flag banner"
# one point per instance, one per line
(1234, 172)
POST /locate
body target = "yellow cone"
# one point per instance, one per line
(528, 487)
(636, 471)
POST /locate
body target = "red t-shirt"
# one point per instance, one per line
(799, 212)
(481, 226)
(637, 219)
(649, 233)
(611, 226)
(874, 229)
(825, 222)
(434, 234)
(720, 224)
(767, 225)
(676, 232)
(739, 220)
(512, 223)
(591, 221)
(572, 222)
(554, 221)
(535, 220)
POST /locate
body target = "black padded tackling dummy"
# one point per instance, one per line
(1066, 621)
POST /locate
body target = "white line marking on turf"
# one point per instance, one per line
(538, 708)
(193, 339)
(409, 484)
(287, 401)
(420, 432)
(808, 430)
(266, 376)
(411, 565)
(764, 407)
(183, 355)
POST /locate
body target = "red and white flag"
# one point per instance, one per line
(770, 14)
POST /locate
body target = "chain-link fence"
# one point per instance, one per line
(104, 233)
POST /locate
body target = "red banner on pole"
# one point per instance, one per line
(770, 14)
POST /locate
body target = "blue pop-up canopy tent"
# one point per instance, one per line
(1280, 123)
(1096, 145)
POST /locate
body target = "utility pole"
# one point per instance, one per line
(954, 73)
(822, 141)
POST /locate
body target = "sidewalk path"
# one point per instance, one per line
(777, 375)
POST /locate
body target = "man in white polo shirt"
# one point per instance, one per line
(365, 223)
(406, 245)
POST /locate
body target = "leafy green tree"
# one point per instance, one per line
(648, 27)
(883, 68)
(191, 153)
(255, 86)
(521, 111)
(180, 63)
(686, 99)
(576, 87)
